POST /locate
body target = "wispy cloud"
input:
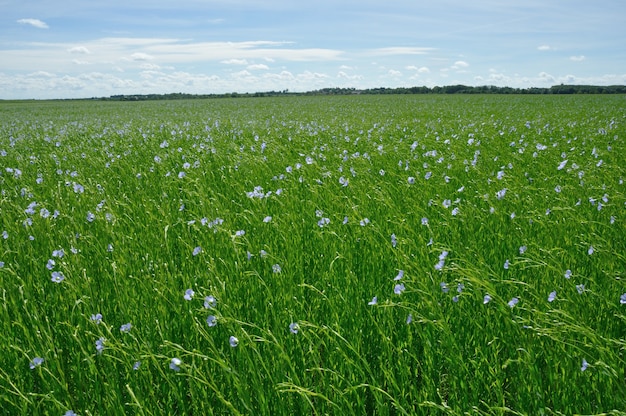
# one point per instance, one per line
(79, 50)
(577, 58)
(460, 65)
(34, 22)
(545, 48)
(257, 67)
(401, 50)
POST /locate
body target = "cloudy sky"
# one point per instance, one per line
(80, 48)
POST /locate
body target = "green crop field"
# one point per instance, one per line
(391, 255)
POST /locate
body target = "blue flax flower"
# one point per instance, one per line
(210, 302)
(100, 345)
(233, 341)
(126, 328)
(175, 364)
(97, 318)
(584, 365)
(37, 361)
(398, 289)
(552, 296)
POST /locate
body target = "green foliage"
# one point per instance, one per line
(294, 213)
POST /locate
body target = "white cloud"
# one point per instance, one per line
(394, 73)
(544, 48)
(577, 58)
(544, 76)
(34, 22)
(344, 75)
(401, 50)
(459, 65)
(79, 50)
(149, 67)
(421, 70)
(235, 62)
(80, 62)
(140, 56)
(257, 67)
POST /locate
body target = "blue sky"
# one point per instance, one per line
(79, 48)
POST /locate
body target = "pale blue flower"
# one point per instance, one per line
(398, 289)
(424, 221)
(444, 287)
(50, 265)
(90, 216)
(58, 253)
(580, 288)
(400, 275)
(622, 299)
(394, 241)
(590, 251)
(267, 219)
(323, 222)
(276, 268)
(373, 302)
(70, 413)
(409, 319)
(100, 345)
(294, 327)
(136, 365)
(5, 234)
(57, 277)
(189, 294)
(552, 296)
(501, 193)
(568, 273)
(364, 222)
(175, 364)
(455, 211)
(126, 328)
(36, 362)
(584, 365)
(210, 302)
(240, 233)
(522, 250)
(233, 341)
(507, 264)
(486, 299)
(411, 180)
(513, 302)
(211, 320)
(197, 251)
(460, 287)
(97, 318)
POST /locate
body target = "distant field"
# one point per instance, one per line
(390, 255)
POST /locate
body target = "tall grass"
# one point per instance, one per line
(364, 254)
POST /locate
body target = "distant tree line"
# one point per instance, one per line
(448, 89)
